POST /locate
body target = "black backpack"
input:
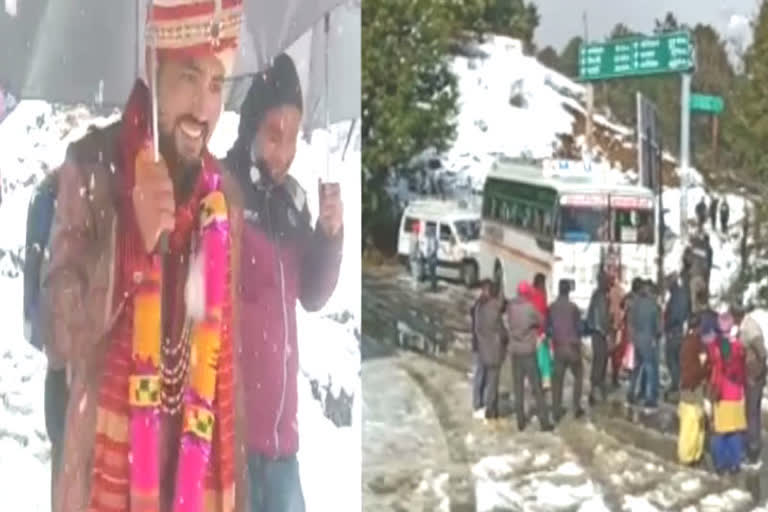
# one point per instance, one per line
(39, 220)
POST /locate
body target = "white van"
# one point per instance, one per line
(458, 228)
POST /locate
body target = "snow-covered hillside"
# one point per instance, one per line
(34, 137)
(511, 104)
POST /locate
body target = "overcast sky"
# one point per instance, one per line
(563, 19)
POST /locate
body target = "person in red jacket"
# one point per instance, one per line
(537, 295)
(284, 260)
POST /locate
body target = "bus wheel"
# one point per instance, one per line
(469, 274)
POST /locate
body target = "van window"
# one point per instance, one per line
(445, 233)
(409, 222)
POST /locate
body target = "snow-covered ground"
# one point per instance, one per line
(34, 137)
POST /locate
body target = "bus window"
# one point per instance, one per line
(547, 223)
(583, 224)
(521, 215)
(538, 222)
(633, 226)
(505, 211)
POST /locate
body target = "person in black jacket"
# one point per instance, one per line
(565, 324)
(478, 370)
(491, 348)
(701, 212)
(725, 213)
(599, 324)
(674, 321)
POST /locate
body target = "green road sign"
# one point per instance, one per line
(665, 53)
(707, 103)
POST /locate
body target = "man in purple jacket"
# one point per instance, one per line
(284, 259)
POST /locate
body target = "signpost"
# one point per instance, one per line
(714, 106)
(707, 103)
(664, 53)
(643, 56)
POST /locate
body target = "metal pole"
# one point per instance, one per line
(327, 30)
(590, 110)
(590, 99)
(685, 123)
(153, 89)
(715, 123)
(659, 215)
(639, 110)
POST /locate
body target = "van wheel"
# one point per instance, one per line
(469, 274)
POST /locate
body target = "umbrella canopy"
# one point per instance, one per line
(331, 48)
(278, 24)
(65, 51)
(335, 55)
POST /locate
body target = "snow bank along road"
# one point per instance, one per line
(423, 451)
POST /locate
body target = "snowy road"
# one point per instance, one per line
(423, 451)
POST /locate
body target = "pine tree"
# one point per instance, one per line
(548, 57)
(745, 133)
(569, 58)
(408, 92)
(512, 18)
(748, 119)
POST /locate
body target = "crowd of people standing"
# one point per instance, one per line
(715, 206)
(716, 361)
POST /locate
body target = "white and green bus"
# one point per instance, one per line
(564, 227)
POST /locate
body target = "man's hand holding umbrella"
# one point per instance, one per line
(153, 199)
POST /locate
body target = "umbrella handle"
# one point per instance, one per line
(153, 87)
(155, 143)
(327, 27)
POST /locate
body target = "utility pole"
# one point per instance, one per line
(590, 99)
(685, 125)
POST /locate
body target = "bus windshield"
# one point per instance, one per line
(583, 223)
(467, 230)
(633, 225)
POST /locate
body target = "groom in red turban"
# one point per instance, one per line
(113, 203)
